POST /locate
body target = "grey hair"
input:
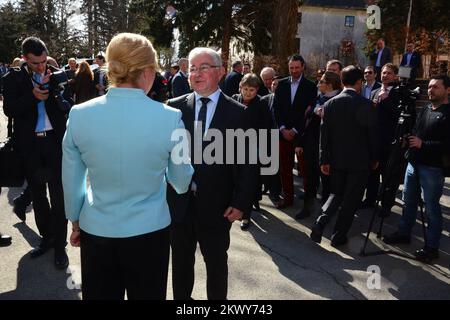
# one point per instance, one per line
(267, 70)
(213, 54)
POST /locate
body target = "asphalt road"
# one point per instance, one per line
(274, 260)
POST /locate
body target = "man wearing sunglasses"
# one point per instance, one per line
(370, 82)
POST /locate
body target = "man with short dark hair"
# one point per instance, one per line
(428, 145)
(232, 80)
(179, 82)
(334, 66)
(247, 68)
(380, 56)
(39, 124)
(411, 59)
(371, 84)
(347, 152)
(293, 96)
(100, 78)
(386, 103)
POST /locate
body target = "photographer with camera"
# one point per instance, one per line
(428, 145)
(387, 103)
(39, 112)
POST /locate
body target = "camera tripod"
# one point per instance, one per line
(395, 166)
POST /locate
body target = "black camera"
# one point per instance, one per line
(406, 98)
(56, 83)
(56, 86)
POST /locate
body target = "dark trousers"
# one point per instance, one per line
(312, 169)
(137, 265)
(347, 189)
(213, 235)
(287, 154)
(391, 174)
(43, 168)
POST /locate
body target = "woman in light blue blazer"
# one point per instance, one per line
(116, 164)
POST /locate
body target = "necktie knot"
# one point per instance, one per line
(205, 101)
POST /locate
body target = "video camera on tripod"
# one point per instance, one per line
(396, 163)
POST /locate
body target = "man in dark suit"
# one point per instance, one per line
(180, 84)
(100, 79)
(411, 59)
(370, 84)
(220, 193)
(380, 56)
(232, 80)
(39, 124)
(292, 98)
(386, 102)
(347, 152)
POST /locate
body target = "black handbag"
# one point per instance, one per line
(11, 165)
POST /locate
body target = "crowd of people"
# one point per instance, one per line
(109, 167)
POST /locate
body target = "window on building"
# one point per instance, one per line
(349, 21)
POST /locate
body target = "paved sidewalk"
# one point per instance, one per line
(274, 260)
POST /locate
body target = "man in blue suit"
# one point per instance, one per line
(411, 58)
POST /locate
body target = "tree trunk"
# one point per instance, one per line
(284, 30)
(226, 38)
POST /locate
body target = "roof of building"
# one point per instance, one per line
(355, 4)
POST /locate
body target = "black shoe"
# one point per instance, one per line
(427, 254)
(397, 238)
(256, 206)
(61, 258)
(305, 213)
(316, 233)
(5, 240)
(337, 241)
(245, 224)
(367, 204)
(42, 248)
(19, 209)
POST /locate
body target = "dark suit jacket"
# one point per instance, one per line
(218, 185)
(20, 104)
(231, 85)
(348, 133)
(292, 115)
(97, 79)
(386, 57)
(180, 85)
(414, 63)
(388, 114)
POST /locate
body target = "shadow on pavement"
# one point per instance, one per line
(402, 278)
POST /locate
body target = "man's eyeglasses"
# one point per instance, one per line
(368, 72)
(203, 68)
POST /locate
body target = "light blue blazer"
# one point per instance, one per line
(122, 143)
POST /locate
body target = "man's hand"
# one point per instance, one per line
(233, 214)
(325, 168)
(289, 135)
(75, 236)
(319, 112)
(375, 165)
(40, 94)
(415, 142)
(298, 151)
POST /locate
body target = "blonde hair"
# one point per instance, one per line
(84, 68)
(16, 62)
(127, 56)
